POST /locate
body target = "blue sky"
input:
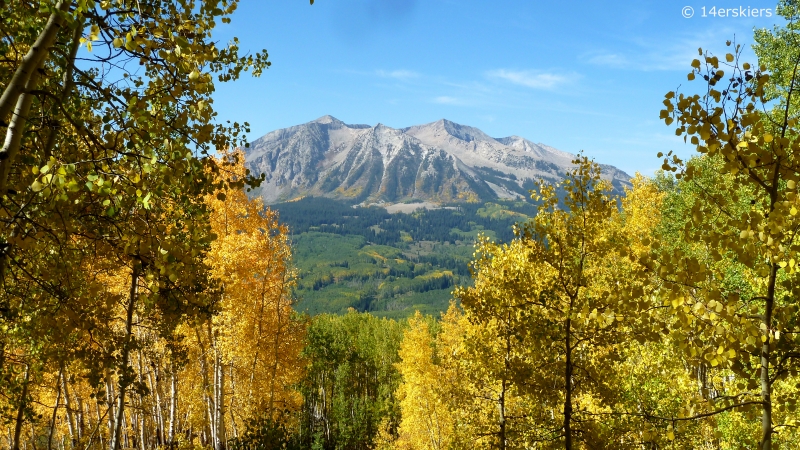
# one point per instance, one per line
(580, 75)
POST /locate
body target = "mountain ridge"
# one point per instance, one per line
(441, 161)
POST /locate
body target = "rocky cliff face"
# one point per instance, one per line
(440, 162)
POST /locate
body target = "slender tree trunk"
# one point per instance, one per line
(142, 440)
(219, 403)
(82, 412)
(33, 436)
(99, 421)
(159, 414)
(152, 410)
(206, 383)
(504, 389)
(275, 352)
(18, 92)
(126, 420)
(568, 388)
(766, 386)
(232, 407)
(32, 60)
(110, 396)
(68, 407)
(16, 129)
(173, 405)
(126, 350)
(55, 410)
(141, 415)
(23, 401)
(501, 406)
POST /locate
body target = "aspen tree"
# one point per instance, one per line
(744, 124)
(562, 296)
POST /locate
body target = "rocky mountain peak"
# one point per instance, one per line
(328, 119)
(442, 161)
(443, 128)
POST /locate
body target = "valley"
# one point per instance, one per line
(388, 264)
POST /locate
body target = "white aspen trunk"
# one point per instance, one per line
(159, 409)
(68, 407)
(206, 386)
(141, 416)
(32, 60)
(55, 410)
(137, 427)
(173, 405)
(79, 420)
(219, 402)
(126, 349)
(126, 420)
(16, 128)
(33, 436)
(110, 396)
(18, 92)
(99, 421)
(152, 411)
(232, 407)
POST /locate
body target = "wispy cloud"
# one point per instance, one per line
(644, 60)
(397, 74)
(445, 100)
(609, 59)
(532, 78)
(647, 55)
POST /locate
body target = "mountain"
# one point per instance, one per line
(439, 162)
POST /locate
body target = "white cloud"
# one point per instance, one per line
(398, 74)
(609, 59)
(645, 60)
(654, 55)
(445, 100)
(533, 79)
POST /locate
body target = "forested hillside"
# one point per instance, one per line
(147, 302)
(388, 264)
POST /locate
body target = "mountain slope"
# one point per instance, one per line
(439, 162)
